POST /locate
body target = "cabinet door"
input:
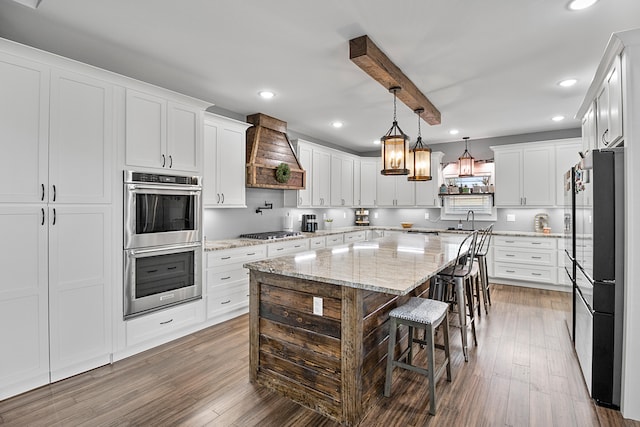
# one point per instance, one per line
(566, 157)
(336, 181)
(210, 194)
(508, 166)
(81, 139)
(321, 182)
(183, 137)
(368, 175)
(427, 191)
(24, 129)
(145, 130)
(614, 111)
(230, 162)
(79, 288)
(357, 176)
(385, 190)
(405, 191)
(347, 182)
(589, 130)
(24, 358)
(539, 176)
(305, 157)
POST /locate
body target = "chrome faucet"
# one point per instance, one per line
(473, 219)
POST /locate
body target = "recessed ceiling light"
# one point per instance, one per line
(581, 4)
(266, 94)
(557, 118)
(337, 124)
(567, 82)
(454, 132)
(376, 142)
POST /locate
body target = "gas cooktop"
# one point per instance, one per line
(270, 235)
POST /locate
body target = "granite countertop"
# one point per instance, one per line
(214, 245)
(395, 264)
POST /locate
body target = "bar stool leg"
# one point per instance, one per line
(431, 364)
(410, 339)
(390, 356)
(445, 325)
(472, 320)
(482, 265)
(462, 315)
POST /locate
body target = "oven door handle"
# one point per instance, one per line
(173, 248)
(181, 188)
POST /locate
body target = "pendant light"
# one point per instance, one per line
(466, 161)
(394, 146)
(419, 158)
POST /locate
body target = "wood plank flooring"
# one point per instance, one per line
(522, 373)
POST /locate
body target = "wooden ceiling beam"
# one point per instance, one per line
(366, 55)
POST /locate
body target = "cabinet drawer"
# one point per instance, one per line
(222, 258)
(355, 236)
(224, 277)
(317, 243)
(529, 273)
(524, 256)
(224, 299)
(163, 322)
(335, 239)
(525, 242)
(285, 248)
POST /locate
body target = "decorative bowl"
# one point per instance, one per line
(406, 224)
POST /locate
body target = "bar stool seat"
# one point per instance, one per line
(424, 314)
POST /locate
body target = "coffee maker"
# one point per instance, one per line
(309, 223)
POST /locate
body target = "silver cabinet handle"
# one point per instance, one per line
(225, 278)
(604, 140)
(170, 161)
(167, 321)
(54, 216)
(218, 196)
(510, 255)
(42, 196)
(225, 257)
(510, 271)
(222, 198)
(42, 209)
(536, 257)
(164, 160)
(252, 253)
(226, 302)
(536, 243)
(536, 274)
(54, 192)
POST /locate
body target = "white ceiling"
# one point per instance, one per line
(491, 67)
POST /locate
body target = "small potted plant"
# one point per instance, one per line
(327, 223)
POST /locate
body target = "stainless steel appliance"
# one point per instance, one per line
(162, 241)
(309, 223)
(161, 209)
(270, 235)
(159, 277)
(598, 244)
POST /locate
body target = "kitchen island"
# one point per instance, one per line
(319, 319)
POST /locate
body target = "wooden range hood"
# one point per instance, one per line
(267, 147)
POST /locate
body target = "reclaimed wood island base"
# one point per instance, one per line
(319, 321)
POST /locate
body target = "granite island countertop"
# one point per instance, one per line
(395, 264)
(213, 245)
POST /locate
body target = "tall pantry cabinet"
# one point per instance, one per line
(56, 131)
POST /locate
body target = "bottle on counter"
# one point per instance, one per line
(459, 224)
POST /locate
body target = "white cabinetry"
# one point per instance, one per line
(525, 175)
(224, 162)
(341, 180)
(355, 236)
(394, 191)
(320, 180)
(609, 108)
(227, 281)
(162, 134)
(165, 323)
(566, 156)
(302, 198)
(529, 259)
(589, 129)
(287, 247)
(427, 191)
(369, 172)
(334, 239)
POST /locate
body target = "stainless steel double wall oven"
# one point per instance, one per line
(162, 241)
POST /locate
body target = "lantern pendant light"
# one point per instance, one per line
(394, 145)
(419, 158)
(466, 161)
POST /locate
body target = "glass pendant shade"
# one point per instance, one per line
(465, 162)
(419, 158)
(394, 146)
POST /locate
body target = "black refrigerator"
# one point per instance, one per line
(595, 265)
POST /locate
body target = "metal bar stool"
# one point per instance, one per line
(458, 279)
(481, 258)
(424, 314)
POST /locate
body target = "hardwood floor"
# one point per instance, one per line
(523, 372)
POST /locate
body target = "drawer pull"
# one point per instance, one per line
(225, 257)
(252, 253)
(226, 302)
(536, 274)
(510, 271)
(225, 278)
(536, 243)
(152, 271)
(536, 257)
(167, 321)
(509, 241)
(279, 249)
(297, 246)
(172, 268)
(509, 255)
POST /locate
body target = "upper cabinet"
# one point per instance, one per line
(525, 175)
(427, 191)
(224, 162)
(369, 172)
(589, 129)
(161, 134)
(320, 181)
(341, 180)
(609, 108)
(394, 191)
(566, 157)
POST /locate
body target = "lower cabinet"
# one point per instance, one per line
(355, 236)
(162, 323)
(525, 259)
